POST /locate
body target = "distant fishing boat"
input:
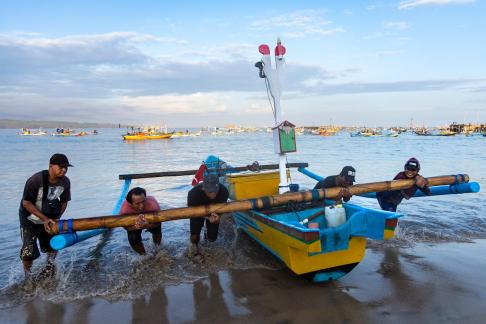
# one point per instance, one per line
(29, 132)
(422, 132)
(366, 133)
(146, 136)
(446, 132)
(64, 132)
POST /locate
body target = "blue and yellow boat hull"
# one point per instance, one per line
(321, 253)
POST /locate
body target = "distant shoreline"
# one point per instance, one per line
(14, 123)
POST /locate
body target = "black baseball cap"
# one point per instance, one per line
(211, 183)
(60, 159)
(412, 164)
(349, 173)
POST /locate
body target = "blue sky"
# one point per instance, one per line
(190, 63)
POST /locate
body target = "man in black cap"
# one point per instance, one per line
(344, 179)
(45, 198)
(206, 193)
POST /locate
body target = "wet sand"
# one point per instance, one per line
(443, 282)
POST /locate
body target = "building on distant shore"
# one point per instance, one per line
(467, 128)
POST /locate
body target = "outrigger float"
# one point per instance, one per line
(290, 222)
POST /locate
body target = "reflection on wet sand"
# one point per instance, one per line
(424, 284)
(44, 313)
(151, 308)
(208, 300)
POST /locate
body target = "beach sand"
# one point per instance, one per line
(424, 283)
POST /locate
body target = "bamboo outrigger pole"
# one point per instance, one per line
(112, 221)
(193, 172)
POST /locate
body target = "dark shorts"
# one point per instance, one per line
(211, 228)
(30, 233)
(387, 205)
(135, 237)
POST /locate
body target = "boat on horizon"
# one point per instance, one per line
(30, 132)
(146, 136)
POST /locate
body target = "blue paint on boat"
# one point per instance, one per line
(62, 241)
(460, 188)
(310, 174)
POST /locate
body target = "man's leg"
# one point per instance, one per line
(29, 251)
(27, 266)
(51, 256)
(45, 245)
(135, 240)
(196, 225)
(156, 234)
(212, 230)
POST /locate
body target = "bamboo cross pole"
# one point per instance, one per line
(192, 172)
(82, 224)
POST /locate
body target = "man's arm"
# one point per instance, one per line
(31, 208)
(63, 208)
(422, 184)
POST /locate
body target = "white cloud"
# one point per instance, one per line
(396, 25)
(259, 108)
(196, 103)
(410, 4)
(298, 24)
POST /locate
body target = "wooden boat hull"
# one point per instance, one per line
(303, 249)
(300, 251)
(306, 251)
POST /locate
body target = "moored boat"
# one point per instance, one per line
(29, 132)
(146, 136)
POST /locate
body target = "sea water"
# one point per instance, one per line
(106, 266)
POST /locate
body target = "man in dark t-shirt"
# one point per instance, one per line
(206, 193)
(344, 179)
(44, 200)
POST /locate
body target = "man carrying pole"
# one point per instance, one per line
(137, 201)
(206, 193)
(45, 198)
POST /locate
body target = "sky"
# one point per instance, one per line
(191, 63)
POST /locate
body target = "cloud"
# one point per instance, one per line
(396, 25)
(258, 108)
(111, 48)
(323, 87)
(298, 24)
(196, 103)
(108, 77)
(101, 66)
(410, 4)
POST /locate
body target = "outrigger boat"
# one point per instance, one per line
(29, 132)
(146, 136)
(293, 224)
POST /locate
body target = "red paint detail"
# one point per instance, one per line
(264, 49)
(391, 222)
(199, 175)
(311, 236)
(279, 50)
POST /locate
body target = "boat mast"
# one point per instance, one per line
(273, 79)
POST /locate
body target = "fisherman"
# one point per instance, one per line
(137, 201)
(45, 198)
(344, 179)
(206, 193)
(389, 200)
